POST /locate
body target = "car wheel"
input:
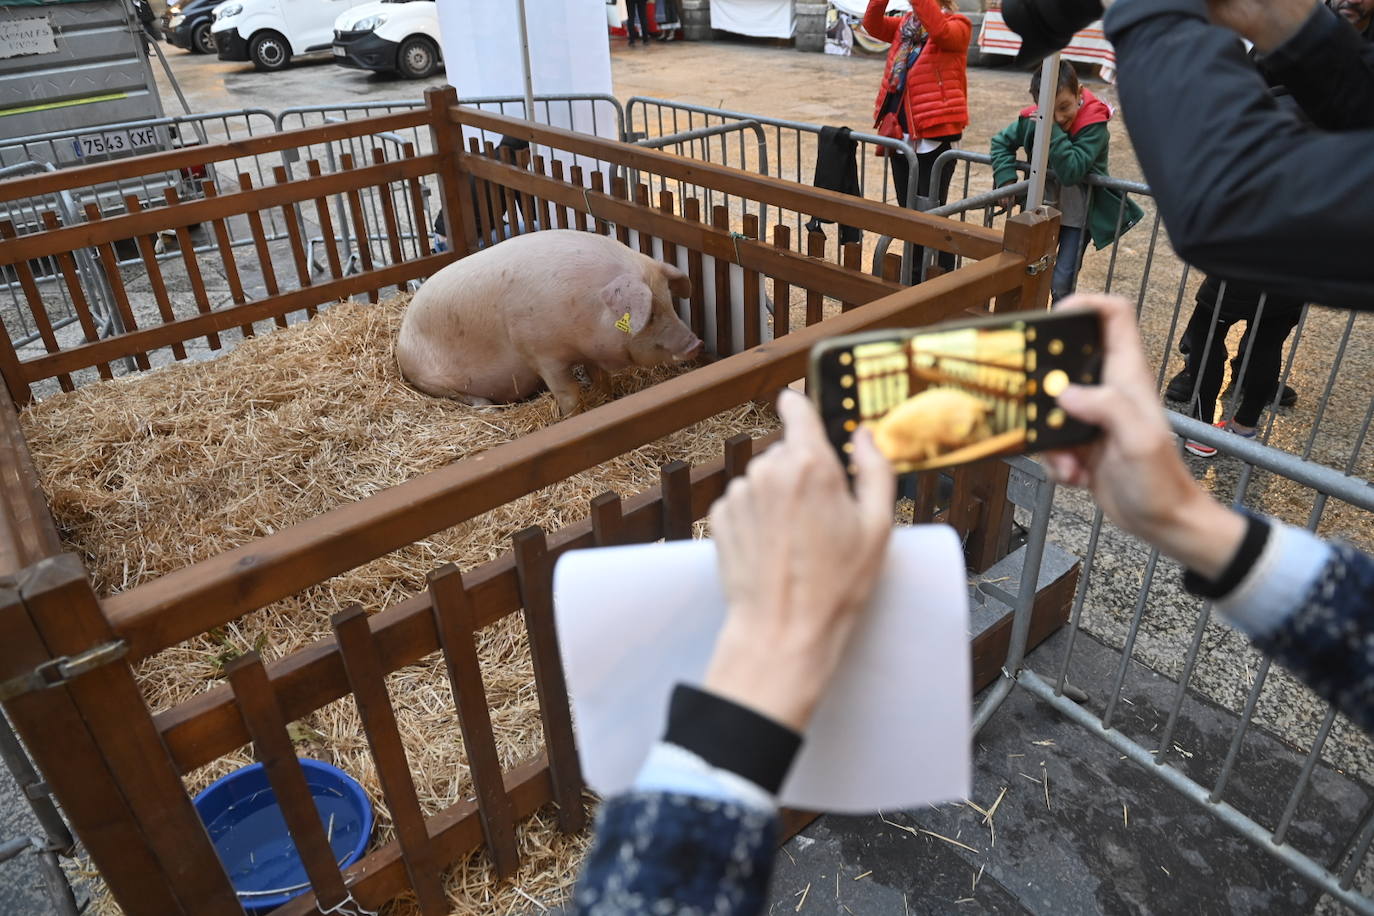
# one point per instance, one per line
(269, 51)
(202, 39)
(417, 58)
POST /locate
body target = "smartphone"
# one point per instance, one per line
(950, 394)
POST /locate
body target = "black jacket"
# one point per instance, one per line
(1246, 188)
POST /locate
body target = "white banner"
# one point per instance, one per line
(758, 18)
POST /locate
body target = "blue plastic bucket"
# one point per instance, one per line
(241, 814)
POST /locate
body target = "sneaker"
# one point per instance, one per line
(1180, 387)
(1193, 447)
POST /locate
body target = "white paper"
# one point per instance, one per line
(759, 18)
(893, 730)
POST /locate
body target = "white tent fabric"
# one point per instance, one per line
(757, 18)
(570, 53)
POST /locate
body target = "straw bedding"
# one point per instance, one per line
(152, 472)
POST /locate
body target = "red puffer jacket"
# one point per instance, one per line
(937, 87)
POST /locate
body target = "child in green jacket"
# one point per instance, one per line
(1078, 148)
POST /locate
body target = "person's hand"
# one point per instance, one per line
(1134, 470)
(1006, 203)
(799, 556)
(1268, 23)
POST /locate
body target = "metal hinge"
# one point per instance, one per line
(58, 671)
(1036, 268)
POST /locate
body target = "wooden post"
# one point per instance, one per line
(459, 215)
(70, 760)
(535, 572)
(68, 617)
(675, 487)
(1033, 235)
(454, 621)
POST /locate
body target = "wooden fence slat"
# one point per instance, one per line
(360, 232)
(599, 186)
(192, 264)
(667, 206)
(255, 228)
(19, 391)
(621, 191)
(68, 616)
(892, 267)
(720, 272)
(608, 521)
(510, 197)
(154, 270)
(419, 221)
(696, 271)
(782, 290)
(295, 237)
(927, 496)
(456, 625)
(109, 262)
(71, 763)
(561, 212)
(739, 451)
(71, 278)
(752, 306)
(541, 166)
(393, 225)
(535, 573)
(646, 241)
(367, 680)
(326, 221)
(675, 483)
(481, 192)
(851, 256)
(529, 213)
(36, 307)
(273, 748)
(225, 244)
(815, 302)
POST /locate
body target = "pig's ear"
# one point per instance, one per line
(630, 300)
(679, 284)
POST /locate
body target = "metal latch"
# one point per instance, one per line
(1036, 268)
(57, 671)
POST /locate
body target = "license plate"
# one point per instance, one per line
(114, 142)
(339, 52)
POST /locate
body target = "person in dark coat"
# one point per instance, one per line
(1247, 189)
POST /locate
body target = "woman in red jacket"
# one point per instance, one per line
(924, 94)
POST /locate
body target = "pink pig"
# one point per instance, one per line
(488, 328)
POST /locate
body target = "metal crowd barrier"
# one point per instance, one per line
(55, 839)
(789, 154)
(1333, 870)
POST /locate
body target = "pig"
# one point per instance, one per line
(936, 421)
(489, 328)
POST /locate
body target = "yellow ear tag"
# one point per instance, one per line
(624, 323)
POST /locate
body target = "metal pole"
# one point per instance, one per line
(525, 59)
(1040, 156)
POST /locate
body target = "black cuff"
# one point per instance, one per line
(1251, 546)
(729, 737)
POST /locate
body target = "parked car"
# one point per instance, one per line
(187, 23)
(271, 32)
(390, 35)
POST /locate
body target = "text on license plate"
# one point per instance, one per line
(116, 141)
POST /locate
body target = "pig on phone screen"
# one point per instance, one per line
(928, 425)
(494, 326)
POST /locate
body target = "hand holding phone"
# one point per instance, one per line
(951, 394)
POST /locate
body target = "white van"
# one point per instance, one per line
(271, 32)
(390, 35)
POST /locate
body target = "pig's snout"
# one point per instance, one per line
(692, 352)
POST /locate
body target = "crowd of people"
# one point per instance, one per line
(1283, 223)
